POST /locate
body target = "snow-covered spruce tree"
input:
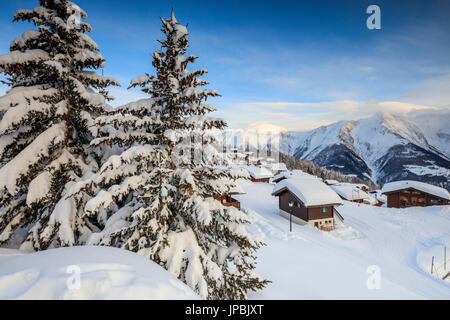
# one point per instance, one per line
(46, 125)
(157, 197)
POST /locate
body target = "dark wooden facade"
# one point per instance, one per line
(300, 210)
(411, 197)
(228, 201)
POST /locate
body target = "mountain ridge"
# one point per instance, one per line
(383, 147)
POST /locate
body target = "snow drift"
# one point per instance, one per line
(105, 273)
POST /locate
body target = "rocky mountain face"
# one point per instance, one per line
(383, 148)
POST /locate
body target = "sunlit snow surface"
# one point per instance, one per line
(302, 264)
(105, 273)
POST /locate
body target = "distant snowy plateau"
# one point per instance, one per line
(384, 147)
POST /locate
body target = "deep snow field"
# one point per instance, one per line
(303, 264)
(312, 264)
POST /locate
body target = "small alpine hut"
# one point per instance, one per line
(350, 192)
(331, 182)
(408, 193)
(379, 197)
(259, 174)
(309, 201)
(228, 200)
(277, 168)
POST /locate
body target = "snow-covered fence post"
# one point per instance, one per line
(432, 264)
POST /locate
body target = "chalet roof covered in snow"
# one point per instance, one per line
(349, 191)
(331, 182)
(312, 192)
(421, 186)
(278, 166)
(377, 194)
(281, 176)
(259, 172)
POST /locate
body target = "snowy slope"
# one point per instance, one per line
(435, 127)
(303, 264)
(6, 254)
(311, 264)
(106, 273)
(383, 148)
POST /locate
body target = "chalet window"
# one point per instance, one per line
(434, 201)
(422, 200)
(324, 209)
(416, 193)
(299, 205)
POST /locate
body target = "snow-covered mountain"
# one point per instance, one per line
(384, 147)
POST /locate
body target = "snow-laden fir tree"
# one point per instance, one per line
(46, 125)
(157, 197)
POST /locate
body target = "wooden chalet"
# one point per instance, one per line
(308, 201)
(361, 186)
(330, 182)
(229, 200)
(276, 168)
(379, 197)
(408, 193)
(259, 174)
(350, 192)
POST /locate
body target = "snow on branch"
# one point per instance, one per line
(31, 155)
(29, 36)
(17, 115)
(17, 57)
(88, 57)
(141, 81)
(21, 95)
(40, 187)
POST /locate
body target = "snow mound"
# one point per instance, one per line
(104, 273)
(311, 192)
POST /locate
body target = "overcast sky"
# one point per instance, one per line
(281, 64)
